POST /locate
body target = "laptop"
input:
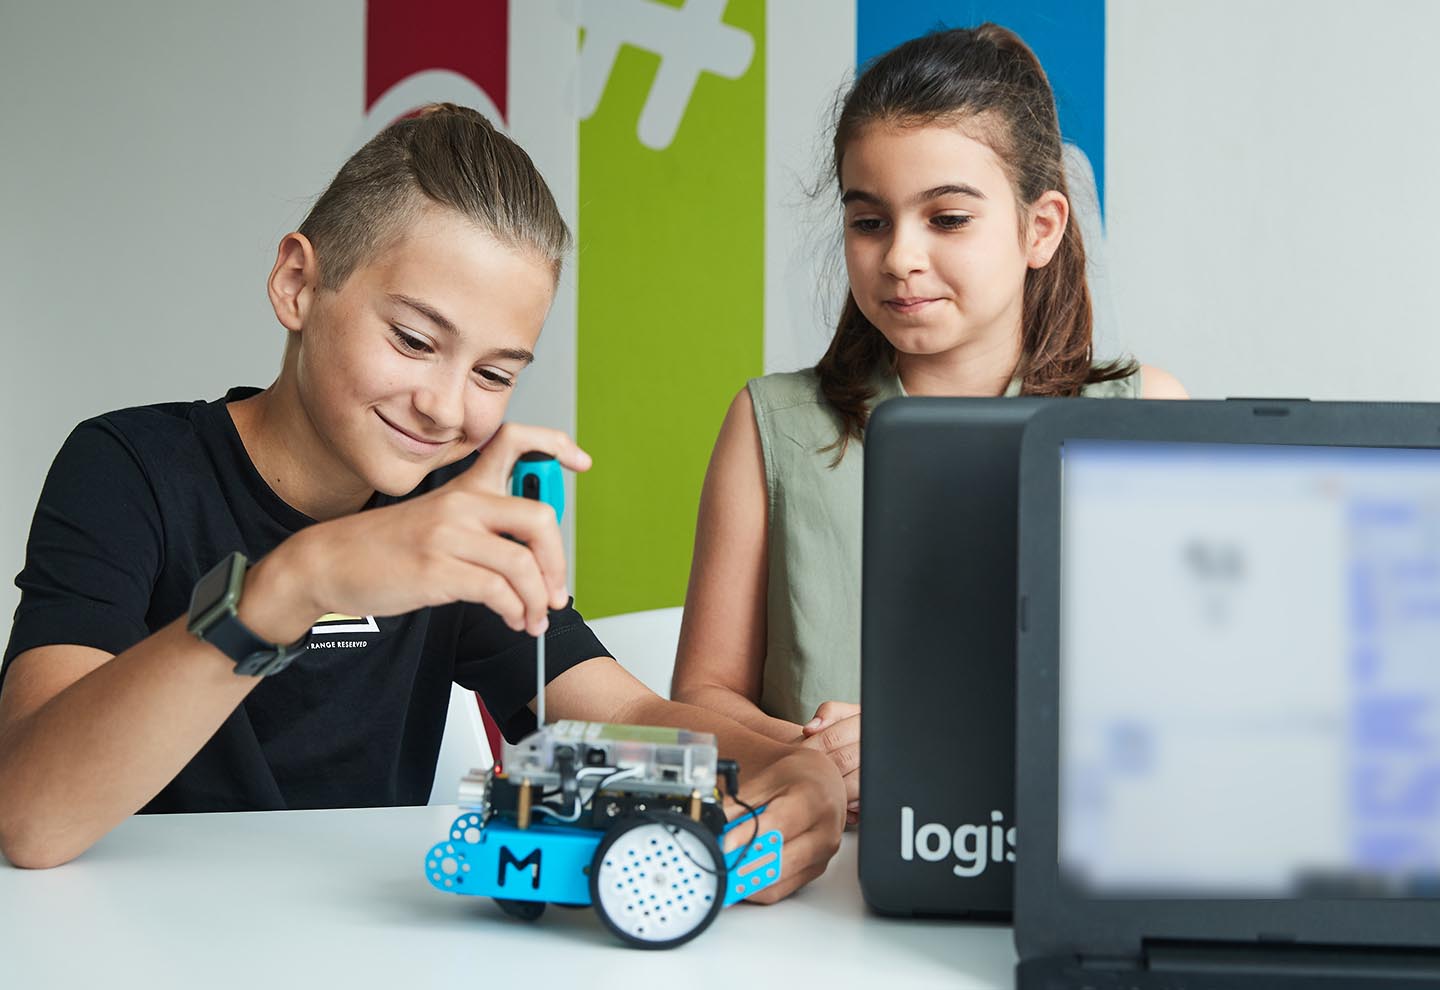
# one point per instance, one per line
(937, 810)
(1229, 695)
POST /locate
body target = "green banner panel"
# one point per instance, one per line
(671, 286)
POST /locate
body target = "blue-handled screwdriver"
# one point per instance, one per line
(537, 475)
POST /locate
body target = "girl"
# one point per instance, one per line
(967, 278)
(412, 297)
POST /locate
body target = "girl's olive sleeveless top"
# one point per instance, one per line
(812, 651)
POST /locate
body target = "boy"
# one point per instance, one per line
(412, 297)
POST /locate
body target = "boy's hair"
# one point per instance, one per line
(444, 154)
(987, 78)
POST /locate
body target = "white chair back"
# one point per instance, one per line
(644, 643)
(462, 748)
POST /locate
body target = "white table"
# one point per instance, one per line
(337, 898)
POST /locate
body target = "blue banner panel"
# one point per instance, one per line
(1067, 35)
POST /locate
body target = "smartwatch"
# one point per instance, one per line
(213, 619)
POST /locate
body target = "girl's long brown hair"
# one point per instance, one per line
(985, 76)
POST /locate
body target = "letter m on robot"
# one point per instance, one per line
(508, 860)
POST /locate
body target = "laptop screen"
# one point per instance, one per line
(1249, 670)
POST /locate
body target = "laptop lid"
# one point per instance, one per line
(937, 812)
(1229, 676)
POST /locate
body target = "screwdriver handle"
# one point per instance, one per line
(537, 475)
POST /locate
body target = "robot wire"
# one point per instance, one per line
(611, 773)
(754, 834)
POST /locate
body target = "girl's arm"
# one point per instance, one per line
(721, 659)
(1158, 384)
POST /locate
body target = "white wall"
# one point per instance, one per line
(1271, 168)
(151, 155)
(804, 260)
(1269, 171)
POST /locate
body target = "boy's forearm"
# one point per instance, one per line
(100, 749)
(738, 708)
(736, 741)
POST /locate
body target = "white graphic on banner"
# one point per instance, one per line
(429, 86)
(689, 40)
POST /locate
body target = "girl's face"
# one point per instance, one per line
(409, 365)
(933, 241)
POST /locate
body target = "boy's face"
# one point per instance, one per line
(409, 365)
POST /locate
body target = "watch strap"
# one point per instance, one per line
(220, 626)
(253, 656)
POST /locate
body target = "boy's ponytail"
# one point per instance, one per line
(446, 155)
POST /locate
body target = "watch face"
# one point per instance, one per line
(215, 594)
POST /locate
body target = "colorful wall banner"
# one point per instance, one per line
(437, 51)
(655, 123)
(671, 270)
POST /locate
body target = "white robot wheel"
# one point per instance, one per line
(658, 879)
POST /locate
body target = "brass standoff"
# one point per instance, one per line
(522, 813)
(695, 805)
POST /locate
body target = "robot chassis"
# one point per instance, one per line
(623, 818)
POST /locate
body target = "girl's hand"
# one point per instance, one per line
(452, 544)
(805, 802)
(835, 731)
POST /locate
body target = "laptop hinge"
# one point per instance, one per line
(1282, 955)
(1091, 961)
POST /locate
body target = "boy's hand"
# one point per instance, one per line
(835, 731)
(449, 545)
(805, 800)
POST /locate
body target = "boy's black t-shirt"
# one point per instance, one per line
(141, 503)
